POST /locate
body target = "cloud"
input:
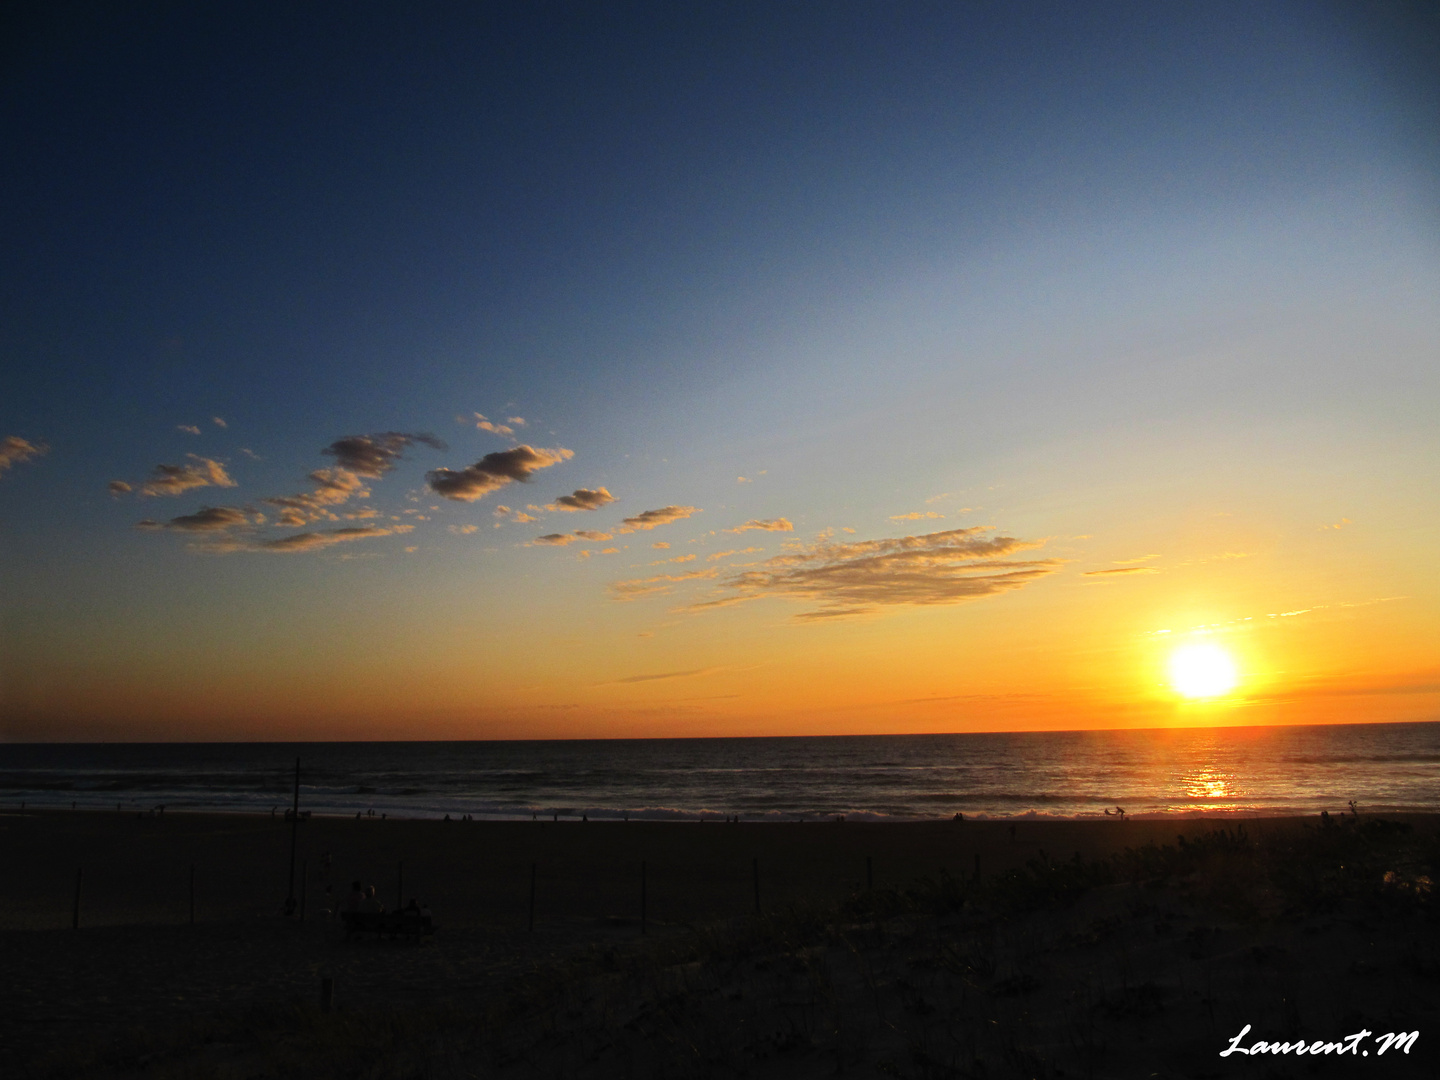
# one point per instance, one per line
(314, 541)
(189, 429)
(251, 454)
(1121, 570)
(494, 471)
(725, 554)
(561, 539)
(689, 673)
(518, 421)
(772, 525)
(743, 480)
(177, 479)
(651, 518)
(654, 586)
(119, 487)
(582, 499)
(853, 578)
(498, 429)
(299, 542)
(661, 545)
(375, 455)
(916, 515)
(332, 487)
(1339, 524)
(676, 559)
(218, 422)
(519, 517)
(464, 530)
(14, 450)
(208, 519)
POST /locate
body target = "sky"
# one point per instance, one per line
(589, 370)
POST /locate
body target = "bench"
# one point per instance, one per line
(402, 923)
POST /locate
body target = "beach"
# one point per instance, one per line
(138, 969)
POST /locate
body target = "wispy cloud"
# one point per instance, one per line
(518, 517)
(658, 585)
(675, 559)
(494, 471)
(177, 479)
(332, 488)
(490, 426)
(578, 536)
(119, 487)
(582, 499)
(650, 519)
(219, 422)
(1120, 571)
(686, 674)
(188, 429)
(853, 578)
(734, 551)
(375, 455)
(916, 515)
(208, 519)
(771, 525)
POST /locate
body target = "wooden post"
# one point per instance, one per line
(869, 875)
(304, 880)
(755, 874)
(643, 897)
(327, 994)
(294, 827)
(400, 886)
(192, 894)
(75, 915)
(532, 897)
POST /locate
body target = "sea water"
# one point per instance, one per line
(1075, 774)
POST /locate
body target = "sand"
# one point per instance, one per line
(138, 962)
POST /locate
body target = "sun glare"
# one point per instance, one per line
(1202, 671)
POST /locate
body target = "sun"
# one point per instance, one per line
(1202, 671)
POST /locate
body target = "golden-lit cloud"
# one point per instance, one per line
(688, 673)
(14, 450)
(734, 551)
(178, 479)
(375, 455)
(332, 488)
(1118, 571)
(582, 499)
(518, 517)
(916, 515)
(494, 471)
(492, 427)
(650, 519)
(853, 578)
(297, 543)
(118, 487)
(658, 585)
(771, 525)
(660, 545)
(676, 559)
(464, 530)
(578, 536)
(207, 519)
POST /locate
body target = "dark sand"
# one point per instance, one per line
(1119, 964)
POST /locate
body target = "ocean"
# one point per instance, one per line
(1078, 774)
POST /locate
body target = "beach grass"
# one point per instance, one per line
(1080, 949)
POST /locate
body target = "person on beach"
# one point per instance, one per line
(372, 902)
(356, 900)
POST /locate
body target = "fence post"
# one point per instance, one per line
(531, 925)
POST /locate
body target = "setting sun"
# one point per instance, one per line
(1202, 671)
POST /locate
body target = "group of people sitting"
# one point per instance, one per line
(362, 898)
